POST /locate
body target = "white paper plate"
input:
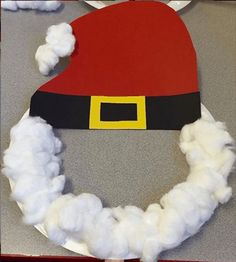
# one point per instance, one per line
(71, 244)
(176, 5)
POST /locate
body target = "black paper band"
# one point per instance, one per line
(72, 112)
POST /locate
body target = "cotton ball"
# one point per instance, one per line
(60, 42)
(223, 194)
(186, 133)
(10, 5)
(206, 178)
(205, 201)
(57, 184)
(70, 219)
(28, 4)
(35, 208)
(224, 162)
(194, 153)
(43, 129)
(79, 211)
(154, 208)
(99, 237)
(152, 248)
(11, 162)
(33, 133)
(40, 5)
(171, 228)
(152, 214)
(24, 148)
(121, 214)
(49, 5)
(186, 207)
(30, 163)
(43, 158)
(46, 58)
(211, 181)
(60, 39)
(210, 137)
(10, 173)
(24, 128)
(118, 213)
(131, 225)
(58, 145)
(28, 185)
(221, 125)
(52, 169)
(120, 248)
(133, 211)
(51, 221)
(89, 203)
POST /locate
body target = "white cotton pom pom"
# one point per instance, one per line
(51, 221)
(82, 208)
(186, 134)
(206, 178)
(10, 5)
(223, 194)
(204, 199)
(120, 248)
(35, 208)
(58, 145)
(70, 219)
(40, 5)
(28, 4)
(49, 5)
(152, 214)
(46, 58)
(60, 39)
(27, 186)
(52, 169)
(171, 228)
(152, 248)
(210, 137)
(89, 203)
(186, 207)
(224, 162)
(195, 155)
(57, 184)
(99, 237)
(132, 225)
(60, 42)
(26, 127)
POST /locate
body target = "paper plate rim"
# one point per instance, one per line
(176, 5)
(71, 244)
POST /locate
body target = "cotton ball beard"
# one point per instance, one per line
(118, 232)
(31, 164)
(39, 5)
(60, 42)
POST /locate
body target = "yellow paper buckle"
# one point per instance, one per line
(95, 112)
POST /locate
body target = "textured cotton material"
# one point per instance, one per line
(39, 5)
(60, 42)
(32, 163)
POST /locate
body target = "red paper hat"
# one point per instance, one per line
(133, 67)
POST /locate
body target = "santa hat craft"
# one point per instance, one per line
(133, 67)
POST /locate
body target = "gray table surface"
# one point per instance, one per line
(122, 167)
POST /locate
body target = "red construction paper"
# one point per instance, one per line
(129, 49)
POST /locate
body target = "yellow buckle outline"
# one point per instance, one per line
(95, 109)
